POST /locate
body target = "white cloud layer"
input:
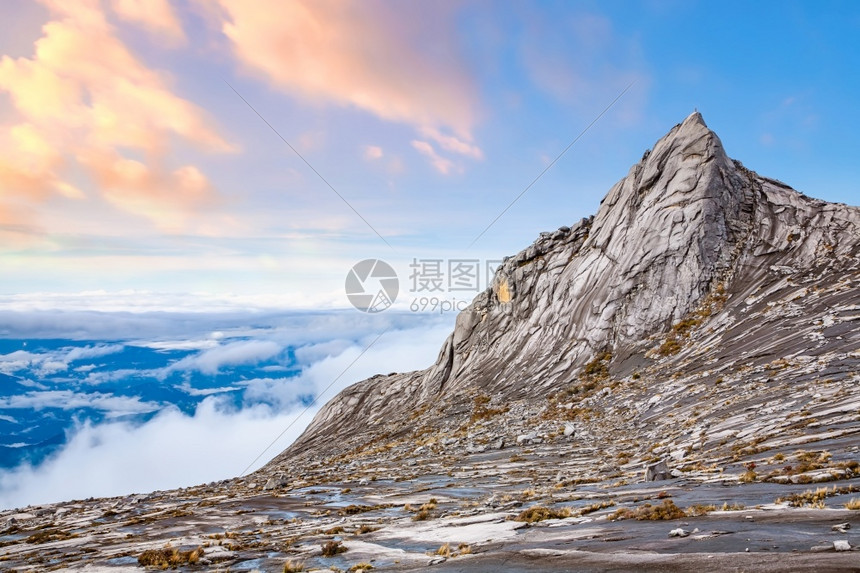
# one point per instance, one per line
(174, 449)
(48, 363)
(69, 400)
(232, 354)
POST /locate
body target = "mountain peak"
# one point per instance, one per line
(695, 118)
(685, 231)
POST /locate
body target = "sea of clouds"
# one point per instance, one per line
(219, 440)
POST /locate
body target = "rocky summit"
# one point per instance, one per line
(673, 383)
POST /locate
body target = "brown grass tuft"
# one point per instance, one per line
(169, 557)
(332, 548)
(539, 513)
(365, 528)
(647, 512)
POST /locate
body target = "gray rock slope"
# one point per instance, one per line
(693, 267)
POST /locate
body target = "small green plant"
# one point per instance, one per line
(853, 504)
(293, 567)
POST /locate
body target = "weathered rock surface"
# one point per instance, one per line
(703, 325)
(657, 472)
(694, 270)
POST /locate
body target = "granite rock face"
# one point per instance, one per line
(687, 245)
(701, 330)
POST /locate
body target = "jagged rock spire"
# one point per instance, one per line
(660, 239)
(684, 223)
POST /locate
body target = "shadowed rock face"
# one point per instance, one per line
(681, 254)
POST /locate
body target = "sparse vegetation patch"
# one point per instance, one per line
(540, 513)
(647, 512)
(169, 557)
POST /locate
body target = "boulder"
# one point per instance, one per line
(657, 472)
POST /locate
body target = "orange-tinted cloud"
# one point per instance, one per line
(155, 15)
(84, 95)
(396, 60)
(164, 196)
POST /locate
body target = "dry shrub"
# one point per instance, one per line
(539, 513)
(647, 512)
(365, 528)
(169, 557)
(332, 548)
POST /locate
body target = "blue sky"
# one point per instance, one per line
(128, 163)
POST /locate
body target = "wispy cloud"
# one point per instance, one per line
(54, 361)
(441, 164)
(69, 400)
(157, 16)
(397, 61)
(232, 354)
(372, 152)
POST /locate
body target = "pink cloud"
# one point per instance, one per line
(83, 98)
(357, 53)
(373, 152)
(156, 15)
(396, 60)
